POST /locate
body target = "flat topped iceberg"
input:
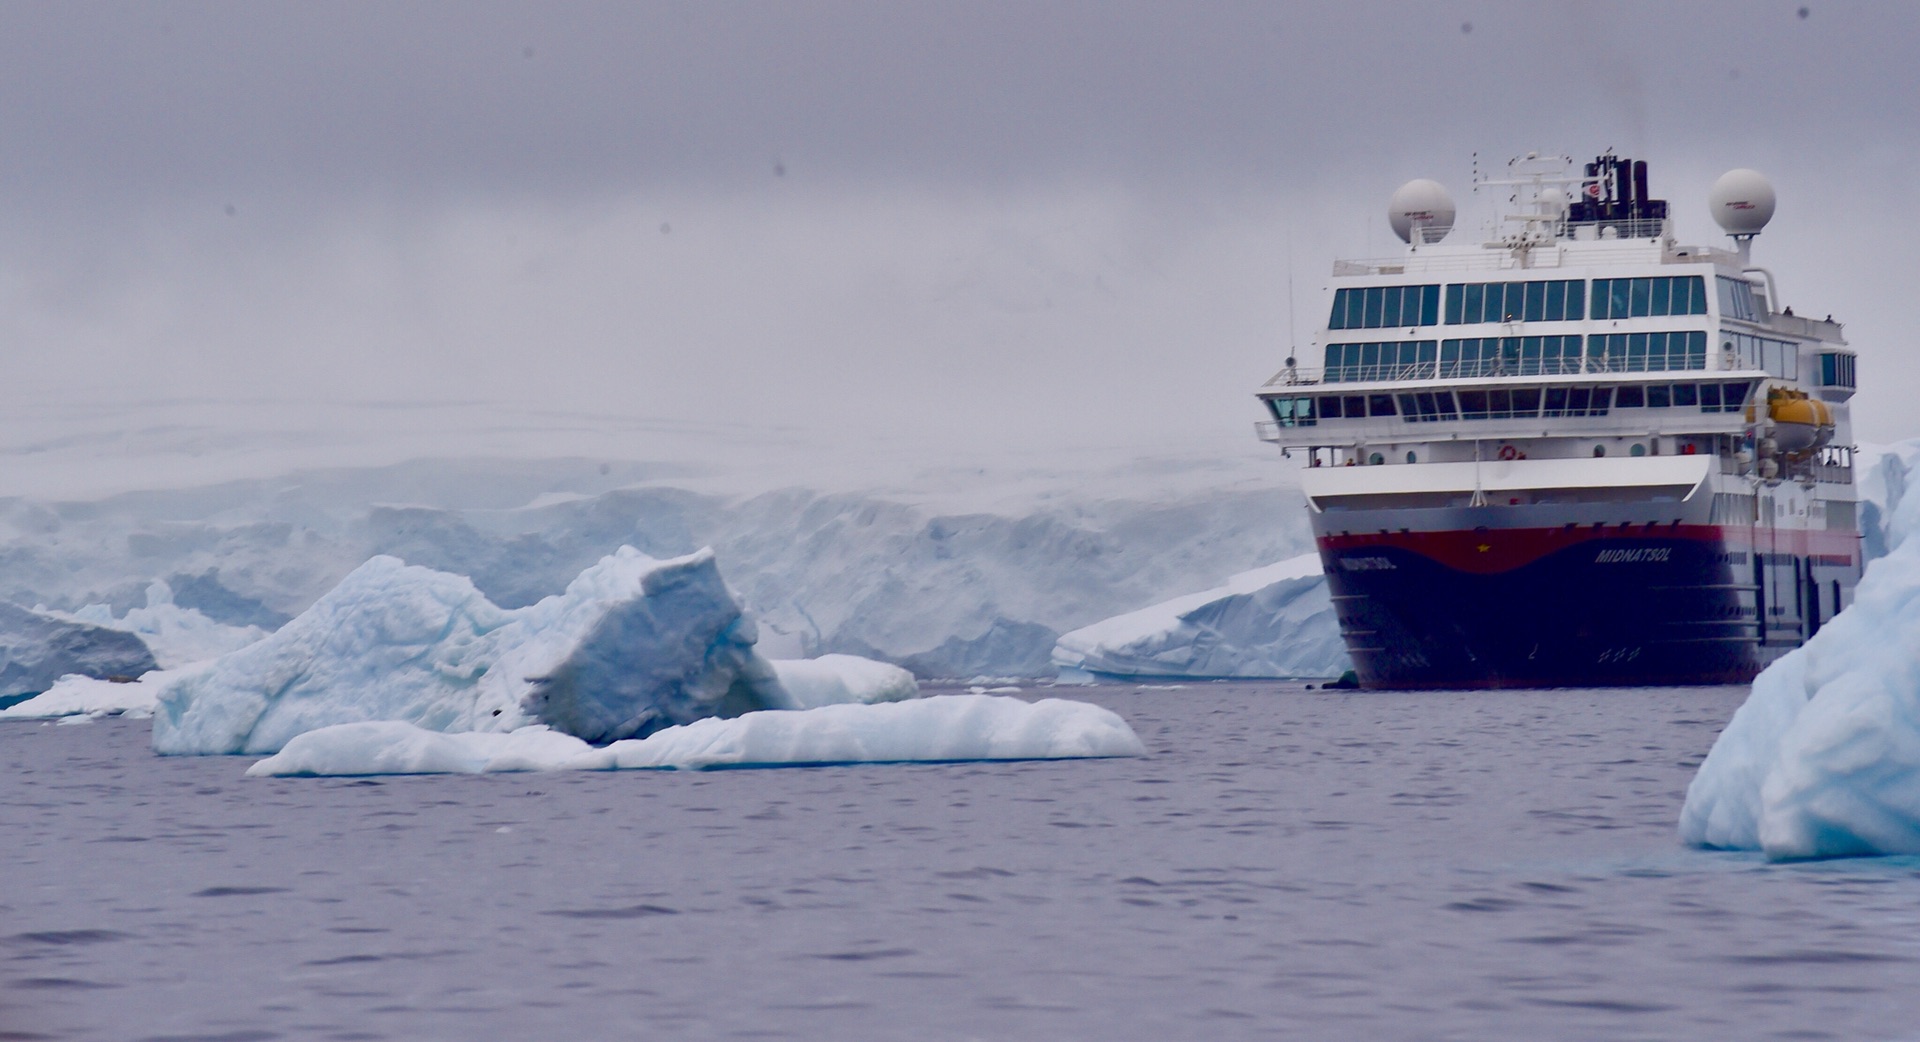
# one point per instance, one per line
(633, 645)
(1823, 759)
(1276, 621)
(940, 729)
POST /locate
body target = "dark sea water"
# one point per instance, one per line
(1285, 864)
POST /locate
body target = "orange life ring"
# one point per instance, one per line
(1508, 452)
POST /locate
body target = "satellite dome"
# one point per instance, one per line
(1424, 203)
(1742, 201)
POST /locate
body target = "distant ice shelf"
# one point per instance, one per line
(945, 728)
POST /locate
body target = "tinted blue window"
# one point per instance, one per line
(1576, 300)
(1662, 298)
(1556, 306)
(1638, 303)
(1476, 299)
(1429, 305)
(1454, 294)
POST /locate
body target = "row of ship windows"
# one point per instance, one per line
(1517, 356)
(1545, 300)
(1567, 354)
(1509, 403)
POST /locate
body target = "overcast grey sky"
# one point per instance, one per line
(1011, 222)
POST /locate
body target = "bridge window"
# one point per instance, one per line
(1736, 299)
(1292, 412)
(1836, 369)
(1650, 296)
(1380, 360)
(1385, 307)
(1558, 300)
(1648, 352)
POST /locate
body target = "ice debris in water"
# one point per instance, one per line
(1276, 621)
(633, 645)
(1823, 759)
(940, 729)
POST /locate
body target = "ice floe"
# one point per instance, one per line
(939, 729)
(1276, 621)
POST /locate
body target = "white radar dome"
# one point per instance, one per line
(1424, 203)
(1742, 201)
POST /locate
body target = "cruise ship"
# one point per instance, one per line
(1576, 453)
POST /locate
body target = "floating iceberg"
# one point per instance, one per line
(1276, 621)
(37, 649)
(633, 645)
(941, 729)
(1823, 759)
(177, 636)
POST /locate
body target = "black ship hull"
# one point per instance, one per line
(1656, 605)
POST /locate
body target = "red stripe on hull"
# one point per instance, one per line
(1493, 550)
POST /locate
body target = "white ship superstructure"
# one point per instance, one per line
(1578, 451)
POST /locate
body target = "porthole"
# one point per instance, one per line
(1411, 458)
(1375, 460)
(1637, 450)
(1599, 450)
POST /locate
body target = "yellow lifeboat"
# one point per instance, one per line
(1800, 424)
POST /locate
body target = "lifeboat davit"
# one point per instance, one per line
(1800, 424)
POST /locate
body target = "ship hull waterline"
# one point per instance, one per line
(1635, 606)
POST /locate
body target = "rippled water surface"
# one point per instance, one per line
(1287, 863)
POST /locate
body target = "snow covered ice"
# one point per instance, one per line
(837, 679)
(1823, 759)
(1276, 621)
(76, 695)
(633, 645)
(177, 636)
(944, 728)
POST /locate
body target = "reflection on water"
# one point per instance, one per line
(1286, 862)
